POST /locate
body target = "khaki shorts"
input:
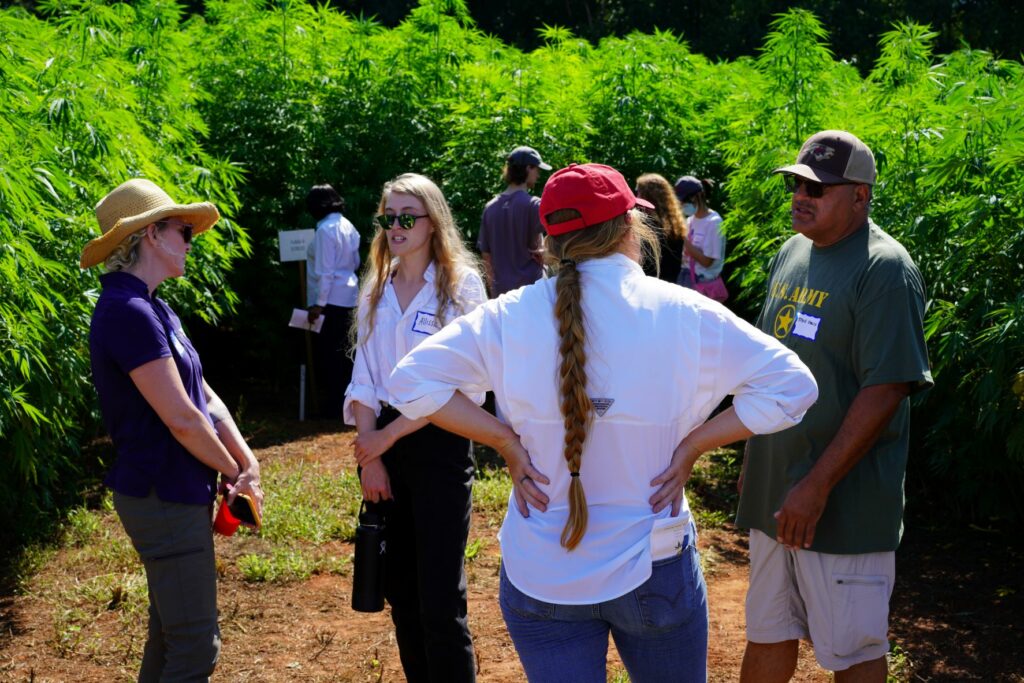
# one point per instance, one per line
(839, 602)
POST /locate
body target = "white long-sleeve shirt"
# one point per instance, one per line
(332, 260)
(660, 358)
(396, 332)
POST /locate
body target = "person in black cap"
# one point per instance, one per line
(511, 235)
(824, 500)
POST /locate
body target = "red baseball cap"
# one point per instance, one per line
(598, 192)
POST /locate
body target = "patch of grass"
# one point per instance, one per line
(284, 565)
(126, 592)
(711, 489)
(473, 549)
(618, 676)
(305, 503)
(81, 526)
(25, 564)
(490, 493)
(901, 668)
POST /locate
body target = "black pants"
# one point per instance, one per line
(331, 361)
(431, 473)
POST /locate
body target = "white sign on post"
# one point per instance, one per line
(293, 244)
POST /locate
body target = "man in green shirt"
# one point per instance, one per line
(824, 499)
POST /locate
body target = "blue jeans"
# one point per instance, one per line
(660, 629)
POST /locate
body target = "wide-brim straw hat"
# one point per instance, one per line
(133, 205)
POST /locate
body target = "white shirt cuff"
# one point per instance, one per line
(359, 394)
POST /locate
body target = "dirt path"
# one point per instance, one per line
(306, 632)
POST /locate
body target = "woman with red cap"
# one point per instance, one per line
(600, 429)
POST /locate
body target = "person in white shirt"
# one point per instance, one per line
(419, 477)
(704, 248)
(332, 288)
(601, 430)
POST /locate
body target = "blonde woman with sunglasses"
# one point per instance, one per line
(419, 276)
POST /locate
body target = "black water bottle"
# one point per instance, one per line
(368, 564)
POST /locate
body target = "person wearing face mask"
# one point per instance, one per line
(172, 434)
(704, 248)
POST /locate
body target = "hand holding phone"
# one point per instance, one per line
(245, 510)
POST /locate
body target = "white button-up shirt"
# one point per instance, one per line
(396, 332)
(660, 358)
(332, 260)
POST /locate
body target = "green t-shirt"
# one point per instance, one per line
(853, 313)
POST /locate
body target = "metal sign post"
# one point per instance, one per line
(293, 245)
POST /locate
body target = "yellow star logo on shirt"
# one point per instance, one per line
(784, 321)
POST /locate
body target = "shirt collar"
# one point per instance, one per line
(616, 261)
(121, 281)
(429, 274)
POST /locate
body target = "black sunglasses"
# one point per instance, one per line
(185, 229)
(813, 188)
(406, 221)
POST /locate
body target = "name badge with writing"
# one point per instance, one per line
(806, 326)
(425, 323)
(177, 344)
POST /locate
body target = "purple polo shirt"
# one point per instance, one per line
(130, 329)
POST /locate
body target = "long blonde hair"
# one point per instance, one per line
(447, 251)
(657, 190)
(568, 250)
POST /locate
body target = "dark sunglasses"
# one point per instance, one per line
(184, 228)
(813, 188)
(406, 221)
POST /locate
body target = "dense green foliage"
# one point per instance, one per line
(89, 99)
(291, 94)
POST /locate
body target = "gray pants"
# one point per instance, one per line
(176, 546)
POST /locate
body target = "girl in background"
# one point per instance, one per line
(671, 226)
(419, 276)
(704, 249)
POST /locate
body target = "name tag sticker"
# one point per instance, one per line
(177, 344)
(806, 326)
(425, 323)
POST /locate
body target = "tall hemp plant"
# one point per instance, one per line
(795, 84)
(974, 190)
(84, 110)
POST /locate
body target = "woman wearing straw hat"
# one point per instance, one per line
(601, 431)
(171, 432)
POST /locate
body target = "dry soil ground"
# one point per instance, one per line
(957, 610)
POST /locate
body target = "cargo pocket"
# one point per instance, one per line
(860, 612)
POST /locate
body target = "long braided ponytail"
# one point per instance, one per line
(567, 250)
(577, 409)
